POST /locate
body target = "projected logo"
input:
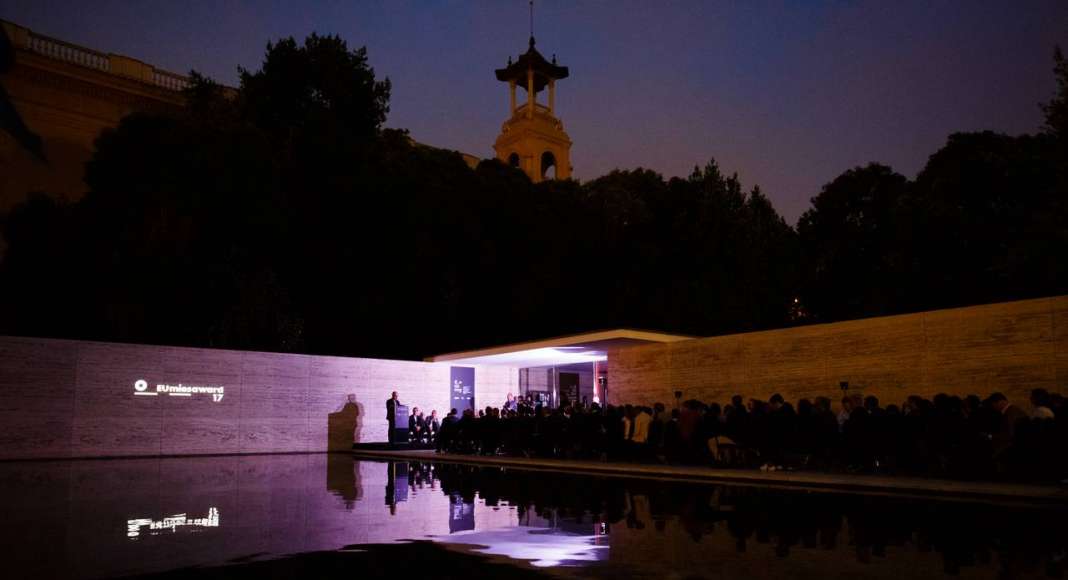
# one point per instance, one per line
(134, 528)
(141, 388)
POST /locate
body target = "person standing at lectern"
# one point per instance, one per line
(391, 416)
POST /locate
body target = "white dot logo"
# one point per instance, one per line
(140, 385)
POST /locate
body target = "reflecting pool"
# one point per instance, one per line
(280, 516)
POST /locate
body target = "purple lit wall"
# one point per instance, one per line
(61, 398)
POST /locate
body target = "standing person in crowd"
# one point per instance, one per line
(693, 445)
(825, 436)
(657, 427)
(638, 431)
(1003, 438)
(1010, 417)
(781, 419)
(1040, 404)
(391, 417)
(510, 403)
(856, 432)
(448, 432)
(628, 422)
(844, 414)
(524, 406)
(737, 419)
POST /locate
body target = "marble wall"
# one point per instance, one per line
(1010, 347)
(61, 398)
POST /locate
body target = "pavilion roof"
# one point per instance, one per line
(532, 59)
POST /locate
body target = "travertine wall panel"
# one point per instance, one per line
(77, 399)
(877, 356)
(647, 370)
(198, 425)
(1007, 347)
(771, 364)
(38, 405)
(705, 363)
(499, 382)
(106, 415)
(1010, 347)
(1060, 339)
(271, 388)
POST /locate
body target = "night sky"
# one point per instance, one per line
(788, 94)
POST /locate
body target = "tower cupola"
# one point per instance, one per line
(533, 138)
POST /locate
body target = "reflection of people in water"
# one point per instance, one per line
(391, 484)
(420, 475)
(755, 521)
(391, 494)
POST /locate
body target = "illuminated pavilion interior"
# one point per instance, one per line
(563, 369)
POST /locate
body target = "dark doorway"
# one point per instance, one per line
(569, 389)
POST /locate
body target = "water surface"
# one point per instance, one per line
(277, 516)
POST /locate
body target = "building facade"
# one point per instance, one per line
(67, 95)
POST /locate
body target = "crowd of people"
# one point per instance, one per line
(946, 436)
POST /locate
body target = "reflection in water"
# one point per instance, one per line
(172, 523)
(73, 519)
(341, 478)
(542, 547)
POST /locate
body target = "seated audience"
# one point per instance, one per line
(416, 426)
(946, 436)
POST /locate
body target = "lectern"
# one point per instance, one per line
(400, 424)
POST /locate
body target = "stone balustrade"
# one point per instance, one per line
(123, 66)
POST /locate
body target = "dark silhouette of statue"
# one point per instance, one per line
(341, 426)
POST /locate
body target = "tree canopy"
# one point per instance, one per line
(283, 216)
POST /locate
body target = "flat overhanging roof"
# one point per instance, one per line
(562, 350)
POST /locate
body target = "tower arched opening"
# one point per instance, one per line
(548, 163)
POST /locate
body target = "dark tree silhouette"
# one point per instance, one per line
(281, 216)
(1056, 110)
(851, 243)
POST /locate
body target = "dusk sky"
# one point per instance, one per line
(788, 94)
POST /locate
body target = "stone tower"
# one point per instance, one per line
(532, 138)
